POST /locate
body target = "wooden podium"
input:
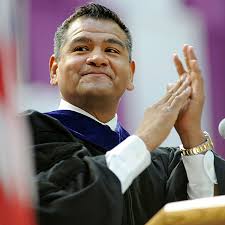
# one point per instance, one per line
(205, 211)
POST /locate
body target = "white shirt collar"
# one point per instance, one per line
(64, 105)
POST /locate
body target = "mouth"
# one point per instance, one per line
(96, 74)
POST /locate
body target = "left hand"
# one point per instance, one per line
(188, 123)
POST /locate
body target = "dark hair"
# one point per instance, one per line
(90, 10)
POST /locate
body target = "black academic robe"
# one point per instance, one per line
(75, 186)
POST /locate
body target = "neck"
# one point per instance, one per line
(102, 111)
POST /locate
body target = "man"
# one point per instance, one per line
(89, 170)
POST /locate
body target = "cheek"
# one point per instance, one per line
(123, 74)
(120, 64)
(69, 69)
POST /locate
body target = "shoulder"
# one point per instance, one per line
(44, 127)
(38, 119)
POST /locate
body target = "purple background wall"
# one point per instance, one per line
(45, 16)
(213, 13)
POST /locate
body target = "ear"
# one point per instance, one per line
(53, 66)
(130, 85)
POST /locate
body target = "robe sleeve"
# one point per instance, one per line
(165, 180)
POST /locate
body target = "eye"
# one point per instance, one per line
(112, 50)
(80, 49)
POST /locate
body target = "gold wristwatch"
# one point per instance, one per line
(202, 148)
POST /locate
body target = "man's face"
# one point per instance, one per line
(94, 62)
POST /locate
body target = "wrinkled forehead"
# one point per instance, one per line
(95, 27)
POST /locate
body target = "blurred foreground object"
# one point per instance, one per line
(205, 211)
(16, 185)
(221, 128)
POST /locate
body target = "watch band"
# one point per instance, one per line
(202, 148)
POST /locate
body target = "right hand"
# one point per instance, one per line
(160, 118)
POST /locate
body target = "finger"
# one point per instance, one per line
(169, 86)
(197, 80)
(191, 53)
(184, 85)
(195, 66)
(184, 82)
(193, 61)
(179, 101)
(171, 91)
(178, 64)
(181, 89)
(187, 56)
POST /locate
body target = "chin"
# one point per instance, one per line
(97, 89)
(98, 93)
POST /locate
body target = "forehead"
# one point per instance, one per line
(95, 28)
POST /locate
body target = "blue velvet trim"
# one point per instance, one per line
(90, 130)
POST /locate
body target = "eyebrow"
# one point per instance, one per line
(81, 39)
(88, 40)
(115, 41)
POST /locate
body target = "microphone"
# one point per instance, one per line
(221, 128)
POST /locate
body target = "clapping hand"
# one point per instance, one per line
(188, 123)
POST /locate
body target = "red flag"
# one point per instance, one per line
(16, 168)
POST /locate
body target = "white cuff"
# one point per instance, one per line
(128, 159)
(201, 175)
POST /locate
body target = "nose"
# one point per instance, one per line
(97, 58)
